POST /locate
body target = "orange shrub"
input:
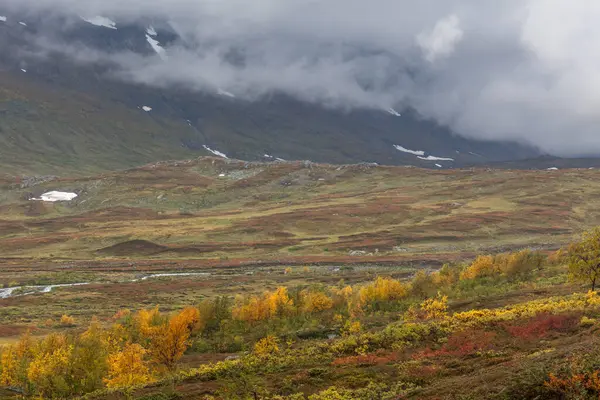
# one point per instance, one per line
(67, 320)
(259, 308)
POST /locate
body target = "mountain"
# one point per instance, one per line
(63, 108)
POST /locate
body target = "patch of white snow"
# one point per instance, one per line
(151, 31)
(405, 150)
(434, 158)
(394, 112)
(101, 21)
(2, 18)
(156, 47)
(267, 156)
(215, 152)
(24, 70)
(22, 23)
(438, 165)
(552, 169)
(56, 196)
(146, 108)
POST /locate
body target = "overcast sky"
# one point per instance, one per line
(527, 70)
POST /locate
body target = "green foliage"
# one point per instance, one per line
(584, 258)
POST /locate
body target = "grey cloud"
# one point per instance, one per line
(524, 70)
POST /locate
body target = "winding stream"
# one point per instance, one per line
(6, 293)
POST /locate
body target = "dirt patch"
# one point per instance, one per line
(133, 247)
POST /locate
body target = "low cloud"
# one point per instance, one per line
(524, 70)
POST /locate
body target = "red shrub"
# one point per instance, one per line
(461, 344)
(543, 324)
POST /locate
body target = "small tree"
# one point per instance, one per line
(127, 368)
(584, 258)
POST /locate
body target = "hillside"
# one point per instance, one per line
(66, 109)
(210, 208)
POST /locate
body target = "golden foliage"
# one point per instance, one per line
(67, 320)
(435, 308)
(506, 264)
(127, 368)
(50, 368)
(351, 328)
(169, 342)
(315, 301)
(481, 267)
(259, 308)
(9, 367)
(266, 346)
(383, 289)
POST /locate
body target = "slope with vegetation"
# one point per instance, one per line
(498, 328)
(217, 210)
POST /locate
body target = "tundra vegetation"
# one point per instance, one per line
(301, 281)
(505, 326)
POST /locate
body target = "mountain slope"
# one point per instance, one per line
(60, 113)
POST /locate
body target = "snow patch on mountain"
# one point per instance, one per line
(24, 70)
(54, 196)
(151, 31)
(405, 150)
(434, 158)
(156, 47)
(101, 21)
(22, 23)
(2, 18)
(215, 152)
(146, 108)
(394, 112)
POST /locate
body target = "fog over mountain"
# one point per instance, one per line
(524, 70)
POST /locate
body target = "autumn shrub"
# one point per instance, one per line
(313, 301)
(483, 266)
(49, 371)
(542, 325)
(67, 321)
(422, 285)
(128, 368)
(510, 265)
(393, 337)
(259, 308)
(381, 291)
(267, 346)
(168, 343)
(351, 328)
(446, 276)
(577, 386)
(519, 264)
(461, 344)
(212, 314)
